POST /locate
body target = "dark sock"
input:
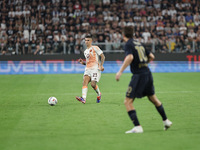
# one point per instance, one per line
(133, 116)
(161, 111)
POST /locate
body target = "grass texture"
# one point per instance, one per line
(27, 122)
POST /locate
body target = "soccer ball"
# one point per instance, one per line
(52, 101)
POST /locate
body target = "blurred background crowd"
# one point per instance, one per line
(59, 26)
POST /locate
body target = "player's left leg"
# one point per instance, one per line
(167, 123)
(128, 102)
(97, 90)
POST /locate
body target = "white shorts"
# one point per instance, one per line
(94, 74)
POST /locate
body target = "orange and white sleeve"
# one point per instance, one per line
(98, 50)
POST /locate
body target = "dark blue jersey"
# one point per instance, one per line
(140, 54)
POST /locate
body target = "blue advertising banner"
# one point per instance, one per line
(70, 67)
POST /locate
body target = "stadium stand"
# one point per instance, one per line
(59, 26)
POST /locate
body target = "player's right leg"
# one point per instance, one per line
(95, 77)
(86, 80)
(128, 102)
(167, 123)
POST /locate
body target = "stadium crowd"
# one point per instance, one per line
(59, 26)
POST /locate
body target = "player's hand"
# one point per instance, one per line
(101, 68)
(118, 75)
(80, 60)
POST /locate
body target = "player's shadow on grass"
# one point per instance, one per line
(153, 130)
(159, 130)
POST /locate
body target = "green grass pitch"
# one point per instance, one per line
(27, 122)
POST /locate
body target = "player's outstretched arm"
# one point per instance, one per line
(129, 58)
(81, 61)
(102, 62)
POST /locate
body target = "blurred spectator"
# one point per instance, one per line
(63, 45)
(196, 22)
(48, 20)
(144, 24)
(2, 47)
(189, 49)
(121, 24)
(48, 46)
(77, 6)
(101, 40)
(183, 29)
(68, 19)
(146, 34)
(192, 34)
(10, 32)
(78, 47)
(10, 49)
(26, 47)
(160, 26)
(176, 33)
(56, 33)
(33, 46)
(171, 42)
(162, 45)
(172, 11)
(178, 45)
(198, 44)
(117, 40)
(55, 46)
(3, 24)
(130, 22)
(197, 16)
(163, 49)
(175, 30)
(183, 42)
(38, 32)
(190, 24)
(106, 3)
(18, 46)
(40, 49)
(108, 44)
(188, 17)
(137, 17)
(167, 27)
(71, 45)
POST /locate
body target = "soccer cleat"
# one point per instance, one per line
(99, 98)
(136, 129)
(167, 124)
(80, 99)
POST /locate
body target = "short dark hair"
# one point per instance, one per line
(128, 32)
(88, 36)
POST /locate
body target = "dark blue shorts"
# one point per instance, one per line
(141, 85)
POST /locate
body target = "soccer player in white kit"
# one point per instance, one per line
(94, 66)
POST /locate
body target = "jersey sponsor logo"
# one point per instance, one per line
(88, 56)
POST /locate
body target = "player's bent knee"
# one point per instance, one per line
(128, 101)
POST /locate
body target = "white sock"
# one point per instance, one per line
(97, 90)
(84, 92)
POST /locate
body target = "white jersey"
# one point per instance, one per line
(92, 57)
